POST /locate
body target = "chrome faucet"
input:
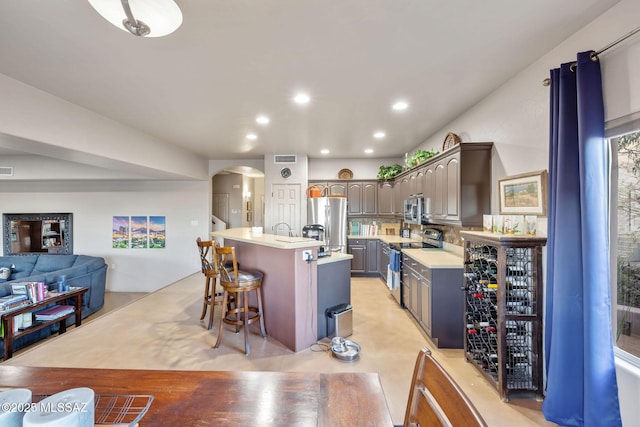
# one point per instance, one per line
(275, 228)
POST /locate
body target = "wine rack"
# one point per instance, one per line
(503, 310)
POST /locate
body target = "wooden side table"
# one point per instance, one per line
(8, 317)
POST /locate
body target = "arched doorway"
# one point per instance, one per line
(237, 198)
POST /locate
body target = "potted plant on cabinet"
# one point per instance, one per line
(388, 172)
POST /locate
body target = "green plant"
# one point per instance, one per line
(389, 172)
(420, 156)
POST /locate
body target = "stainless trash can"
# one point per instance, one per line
(339, 320)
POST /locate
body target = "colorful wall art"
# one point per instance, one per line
(139, 232)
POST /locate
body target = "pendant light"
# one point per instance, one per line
(148, 18)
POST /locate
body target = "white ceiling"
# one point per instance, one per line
(202, 86)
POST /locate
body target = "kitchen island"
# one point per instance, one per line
(290, 288)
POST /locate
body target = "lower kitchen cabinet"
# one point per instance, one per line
(372, 256)
(410, 280)
(383, 259)
(435, 298)
(365, 256)
(425, 300)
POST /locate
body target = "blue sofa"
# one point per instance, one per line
(80, 270)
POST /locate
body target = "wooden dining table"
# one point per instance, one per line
(203, 398)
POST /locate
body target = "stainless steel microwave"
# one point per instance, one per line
(413, 208)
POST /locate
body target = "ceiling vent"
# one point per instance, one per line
(6, 171)
(285, 158)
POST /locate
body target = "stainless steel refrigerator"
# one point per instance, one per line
(331, 212)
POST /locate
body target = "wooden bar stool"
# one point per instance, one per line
(211, 274)
(239, 283)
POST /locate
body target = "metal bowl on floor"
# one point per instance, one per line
(344, 349)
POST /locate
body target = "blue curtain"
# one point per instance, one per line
(581, 378)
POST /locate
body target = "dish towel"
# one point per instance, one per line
(393, 273)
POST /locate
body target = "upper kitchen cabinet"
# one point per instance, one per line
(418, 183)
(386, 198)
(455, 184)
(401, 191)
(362, 198)
(331, 188)
(460, 185)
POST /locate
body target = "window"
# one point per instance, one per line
(625, 209)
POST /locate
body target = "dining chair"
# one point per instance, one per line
(436, 400)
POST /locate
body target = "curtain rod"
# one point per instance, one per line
(594, 56)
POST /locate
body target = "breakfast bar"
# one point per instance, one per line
(290, 287)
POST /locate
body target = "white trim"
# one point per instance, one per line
(627, 357)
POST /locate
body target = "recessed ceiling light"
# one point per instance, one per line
(368, 150)
(324, 151)
(379, 135)
(301, 98)
(252, 136)
(400, 106)
(262, 119)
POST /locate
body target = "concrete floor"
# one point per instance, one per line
(162, 330)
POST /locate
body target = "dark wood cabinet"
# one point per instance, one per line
(383, 259)
(331, 188)
(365, 256)
(386, 200)
(336, 188)
(455, 184)
(359, 252)
(372, 256)
(425, 299)
(399, 194)
(362, 197)
(435, 298)
(411, 283)
(428, 189)
(503, 310)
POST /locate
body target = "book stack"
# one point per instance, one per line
(13, 301)
(360, 229)
(54, 312)
(35, 291)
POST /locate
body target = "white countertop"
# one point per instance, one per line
(435, 258)
(335, 257)
(244, 234)
(388, 238)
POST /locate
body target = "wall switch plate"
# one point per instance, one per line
(307, 255)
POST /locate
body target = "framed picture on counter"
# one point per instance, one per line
(524, 194)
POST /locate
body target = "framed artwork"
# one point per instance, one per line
(524, 194)
(139, 232)
(157, 232)
(120, 232)
(14, 237)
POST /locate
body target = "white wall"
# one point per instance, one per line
(28, 167)
(185, 204)
(36, 122)
(516, 118)
(299, 176)
(361, 168)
